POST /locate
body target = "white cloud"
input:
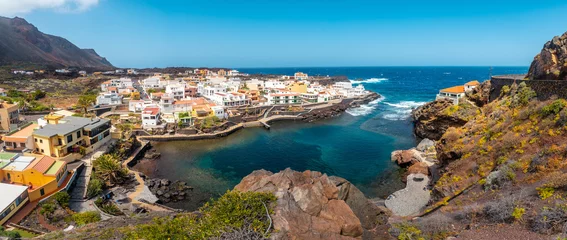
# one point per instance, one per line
(14, 7)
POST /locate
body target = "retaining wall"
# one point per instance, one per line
(544, 89)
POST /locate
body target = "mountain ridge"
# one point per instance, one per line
(22, 42)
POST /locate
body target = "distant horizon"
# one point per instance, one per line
(384, 66)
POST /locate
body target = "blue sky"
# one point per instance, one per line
(264, 33)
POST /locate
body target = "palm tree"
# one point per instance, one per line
(85, 101)
(108, 168)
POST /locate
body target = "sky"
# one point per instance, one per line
(301, 33)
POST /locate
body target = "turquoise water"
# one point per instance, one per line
(355, 146)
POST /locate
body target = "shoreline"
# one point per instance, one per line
(314, 114)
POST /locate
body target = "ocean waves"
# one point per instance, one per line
(370, 80)
(365, 109)
(399, 111)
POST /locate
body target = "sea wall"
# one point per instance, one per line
(545, 89)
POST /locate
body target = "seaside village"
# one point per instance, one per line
(43, 156)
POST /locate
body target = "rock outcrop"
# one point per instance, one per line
(480, 95)
(311, 205)
(551, 62)
(337, 109)
(431, 121)
(168, 191)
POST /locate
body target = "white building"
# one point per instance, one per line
(284, 98)
(139, 105)
(120, 83)
(452, 93)
(274, 85)
(233, 73)
(300, 76)
(108, 99)
(176, 90)
(342, 85)
(232, 99)
(219, 112)
(208, 91)
(471, 85)
(152, 83)
(150, 117)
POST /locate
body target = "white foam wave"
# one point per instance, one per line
(365, 109)
(370, 80)
(401, 110)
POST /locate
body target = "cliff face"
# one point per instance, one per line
(434, 118)
(551, 62)
(22, 42)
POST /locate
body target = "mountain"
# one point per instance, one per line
(22, 42)
(551, 63)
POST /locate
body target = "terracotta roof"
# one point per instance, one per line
(43, 164)
(151, 110)
(455, 89)
(472, 83)
(112, 88)
(22, 135)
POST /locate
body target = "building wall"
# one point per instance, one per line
(298, 88)
(49, 188)
(5, 116)
(24, 200)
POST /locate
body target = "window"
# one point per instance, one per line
(35, 139)
(69, 138)
(40, 141)
(41, 192)
(42, 151)
(78, 134)
(59, 141)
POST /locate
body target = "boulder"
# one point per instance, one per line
(551, 62)
(405, 158)
(311, 205)
(425, 145)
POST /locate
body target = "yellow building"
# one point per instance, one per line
(13, 198)
(221, 73)
(298, 87)
(68, 138)
(135, 95)
(42, 175)
(9, 116)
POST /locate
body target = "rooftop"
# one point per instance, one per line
(455, 89)
(151, 110)
(22, 135)
(68, 125)
(472, 83)
(19, 164)
(41, 164)
(9, 194)
(54, 169)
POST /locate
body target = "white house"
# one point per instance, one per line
(121, 83)
(452, 93)
(233, 73)
(219, 112)
(176, 90)
(300, 76)
(150, 117)
(255, 84)
(274, 84)
(152, 83)
(471, 85)
(232, 99)
(139, 105)
(108, 99)
(342, 85)
(284, 98)
(208, 91)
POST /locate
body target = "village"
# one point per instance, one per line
(55, 154)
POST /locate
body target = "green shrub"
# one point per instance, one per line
(63, 198)
(408, 232)
(554, 108)
(94, 188)
(47, 208)
(233, 211)
(9, 234)
(86, 217)
(518, 213)
(545, 192)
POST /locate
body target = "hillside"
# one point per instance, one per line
(21, 43)
(551, 63)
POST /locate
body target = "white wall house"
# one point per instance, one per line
(274, 84)
(452, 93)
(300, 76)
(343, 85)
(151, 117)
(219, 112)
(284, 98)
(139, 105)
(232, 99)
(152, 83)
(471, 85)
(108, 99)
(120, 83)
(176, 90)
(208, 91)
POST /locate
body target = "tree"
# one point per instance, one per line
(85, 101)
(107, 168)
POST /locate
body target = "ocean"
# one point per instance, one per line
(355, 146)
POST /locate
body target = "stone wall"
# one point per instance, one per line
(545, 89)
